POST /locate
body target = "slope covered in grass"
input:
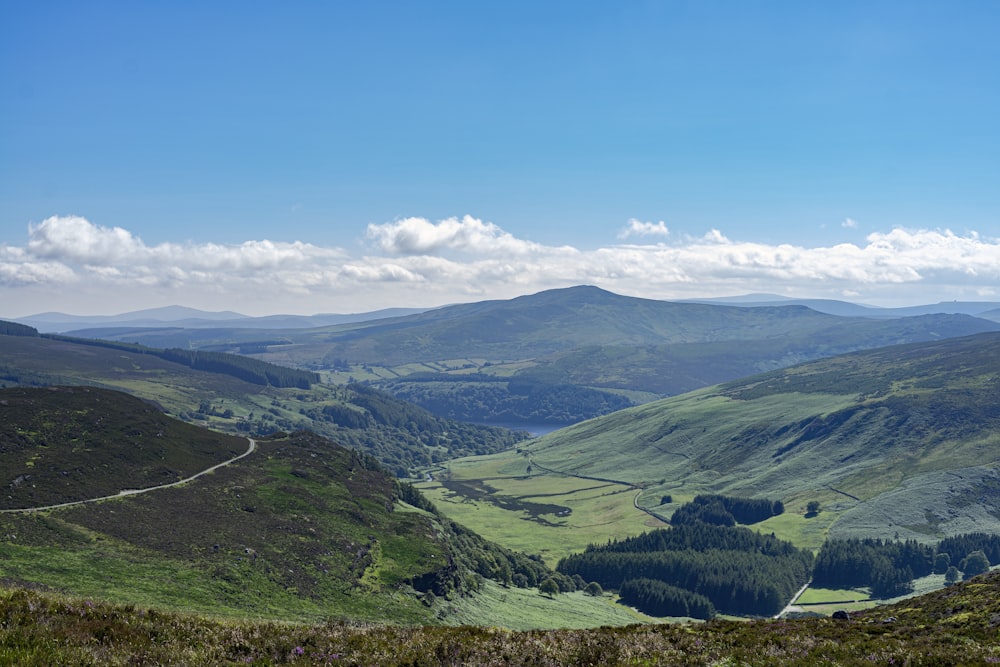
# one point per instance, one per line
(901, 439)
(897, 442)
(954, 626)
(299, 528)
(399, 434)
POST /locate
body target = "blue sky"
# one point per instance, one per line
(335, 157)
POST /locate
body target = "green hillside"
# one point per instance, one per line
(954, 626)
(399, 434)
(901, 439)
(299, 528)
(901, 442)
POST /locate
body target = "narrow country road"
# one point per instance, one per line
(135, 492)
(790, 606)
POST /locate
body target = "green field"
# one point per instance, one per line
(537, 513)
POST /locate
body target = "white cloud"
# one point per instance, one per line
(414, 236)
(416, 262)
(639, 228)
(849, 223)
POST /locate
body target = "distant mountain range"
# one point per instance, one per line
(561, 355)
(192, 318)
(989, 310)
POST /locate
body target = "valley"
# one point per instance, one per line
(893, 441)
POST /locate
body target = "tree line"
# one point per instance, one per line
(484, 398)
(15, 329)
(738, 570)
(888, 567)
(726, 510)
(405, 436)
(249, 370)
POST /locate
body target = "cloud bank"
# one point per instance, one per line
(418, 262)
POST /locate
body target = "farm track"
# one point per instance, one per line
(134, 492)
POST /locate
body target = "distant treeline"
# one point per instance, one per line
(738, 570)
(485, 398)
(243, 368)
(405, 436)
(888, 567)
(15, 329)
(726, 511)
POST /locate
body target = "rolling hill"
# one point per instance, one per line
(579, 352)
(899, 442)
(902, 440)
(398, 434)
(299, 528)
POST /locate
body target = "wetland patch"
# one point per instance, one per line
(479, 491)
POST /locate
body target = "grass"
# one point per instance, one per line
(527, 609)
(954, 626)
(497, 501)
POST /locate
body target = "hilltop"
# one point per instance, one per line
(64, 444)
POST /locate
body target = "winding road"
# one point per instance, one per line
(135, 492)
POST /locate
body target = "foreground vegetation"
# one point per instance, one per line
(954, 626)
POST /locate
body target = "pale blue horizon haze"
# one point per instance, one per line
(310, 157)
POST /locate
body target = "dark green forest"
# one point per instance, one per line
(15, 329)
(726, 510)
(738, 570)
(888, 567)
(486, 398)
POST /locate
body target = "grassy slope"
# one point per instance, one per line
(956, 625)
(301, 529)
(898, 441)
(180, 391)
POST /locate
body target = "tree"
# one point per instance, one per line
(812, 508)
(973, 564)
(952, 575)
(941, 563)
(549, 587)
(594, 589)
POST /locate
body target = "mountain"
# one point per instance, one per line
(564, 355)
(192, 318)
(846, 308)
(296, 528)
(899, 441)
